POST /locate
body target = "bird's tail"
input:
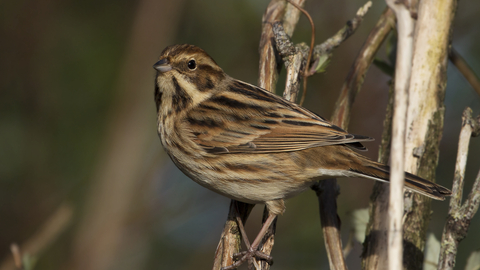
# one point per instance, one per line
(381, 172)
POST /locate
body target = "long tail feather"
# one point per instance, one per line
(415, 183)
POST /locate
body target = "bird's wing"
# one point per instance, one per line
(247, 119)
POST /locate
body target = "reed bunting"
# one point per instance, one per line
(251, 145)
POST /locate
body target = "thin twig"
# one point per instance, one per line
(44, 237)
(465, 69)
(295, 57)
(322, 52)
(459, 216)
(312, 42)
(17, 256)
(363, 61)
(350, 242)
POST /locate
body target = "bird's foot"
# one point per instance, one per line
(248, 255)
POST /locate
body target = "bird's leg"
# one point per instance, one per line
(252, 250)
(242, 232)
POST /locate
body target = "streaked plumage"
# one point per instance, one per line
(248, 144)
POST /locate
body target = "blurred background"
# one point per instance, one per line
(84, 181)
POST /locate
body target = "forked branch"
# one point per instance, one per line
(460, 215)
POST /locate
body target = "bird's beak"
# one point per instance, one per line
(162, 65)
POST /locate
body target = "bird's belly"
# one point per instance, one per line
(254, 178)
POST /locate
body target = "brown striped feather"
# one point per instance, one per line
(254, 130)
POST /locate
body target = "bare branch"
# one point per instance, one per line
(459, 216)
(327, 192)
(230, 240)
(277, 10)
(269, 65)
(322, 52)
(329, 187)
(465, 69)
(294, 58)
(290, 19)
(405, 28)
(425, 117)
(356, 75)
(312, 42)
(375, 246)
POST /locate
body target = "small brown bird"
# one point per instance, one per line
(248, 144)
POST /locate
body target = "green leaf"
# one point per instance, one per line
(322, 63)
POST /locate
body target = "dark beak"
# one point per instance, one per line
(162, 65)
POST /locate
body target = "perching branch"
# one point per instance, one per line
(230, 240)
(290, 20)
(294, 58)
(459, 216)
(277, 10)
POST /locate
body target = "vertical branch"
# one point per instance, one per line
(327, 192)
(268, 73)
(375, 246)
(459, 216)
(269, 66)
(230, 240)
(328, 189)
(425, 116)
(405, 26)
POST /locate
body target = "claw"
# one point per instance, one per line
(244, 256)
(252, 250)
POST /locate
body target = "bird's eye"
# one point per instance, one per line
(192, 64)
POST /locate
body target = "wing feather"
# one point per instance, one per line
(247, 119)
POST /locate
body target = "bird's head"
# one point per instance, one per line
(186, 75)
